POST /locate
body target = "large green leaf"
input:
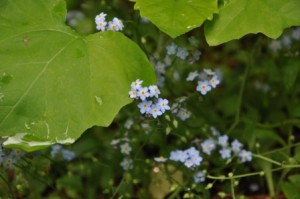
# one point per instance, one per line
(55, 83)
(176, 17)
(240, 17)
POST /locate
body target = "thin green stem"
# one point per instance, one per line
(291, 121)
(240, 99)
(267, 159)
(117, 189)
(282, 148)
(232, 188)
(8, 185)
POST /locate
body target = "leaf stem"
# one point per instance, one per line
(267, 159)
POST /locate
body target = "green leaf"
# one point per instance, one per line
(176, 17)
(295, 179)
(291, 191)
(291, 68)
(57, 82)
(240, 17)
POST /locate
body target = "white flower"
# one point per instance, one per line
(203, 87)
(209, 71)
(214, 81)
(160, 159)
(100, 17)
(183, 114)
(137, 84)
(101, 25)
(126, 164)
(133, 94)
(192, 76)
(118, 23)
(125, 148)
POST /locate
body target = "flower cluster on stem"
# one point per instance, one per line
(102, 25)
(151, 104)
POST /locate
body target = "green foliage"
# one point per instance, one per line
(240, 17)
(234, 18)
(53, 79)
(177, 17)
(57, 83)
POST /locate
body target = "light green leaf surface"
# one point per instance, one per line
(176, 17)
(54, 83)
(241, 17)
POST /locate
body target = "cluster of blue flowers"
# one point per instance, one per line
(207, 80)
(123, 144)
(182, 53)
(57, 151)
(9, 157)
(285, 41)
(114, 25)
(227, 150)
(190, 157)
(179, 110)
(154, 106)
(175, 52)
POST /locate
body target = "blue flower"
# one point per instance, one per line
(143, 93)
(183, 114)
(225, 153)
(154, 91)
(163, 104)
(137, 84)
(182, 53)
(192, 76)
(214, 81)
(171, 49)
(208, 146)
(203, 87)
(68, 154)
(236, 146)
(145, 106)
(223, 140)
(126, 164)
(245, 156)
(199, 177)
(155, 111)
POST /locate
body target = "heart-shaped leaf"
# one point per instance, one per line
(176, 17)
(240, 17)
(55, 83)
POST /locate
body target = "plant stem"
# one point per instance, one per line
(7, 183)
(240, 99)
(267, 159)
(232, 188)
